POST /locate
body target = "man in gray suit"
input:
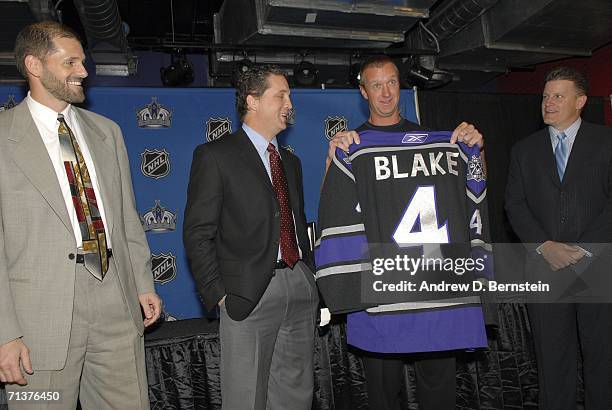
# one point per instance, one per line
(74, 260)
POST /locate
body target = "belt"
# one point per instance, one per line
(80, 258)
(280, 265)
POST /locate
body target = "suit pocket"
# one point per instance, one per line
(231, 275)
(19, 280)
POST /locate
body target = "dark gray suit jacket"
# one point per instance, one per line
(232, 222)
(576, 210)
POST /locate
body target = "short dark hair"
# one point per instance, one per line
(253, 81)
(570, 74)
(375, 61)
(37, 39)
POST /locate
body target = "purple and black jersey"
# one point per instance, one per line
(403, 193)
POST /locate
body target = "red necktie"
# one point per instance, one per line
(288, 244)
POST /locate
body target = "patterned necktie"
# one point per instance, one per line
(95, 255)
(561, 154)
(288, 244)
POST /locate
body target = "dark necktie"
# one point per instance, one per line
(95, 255)
(561, 154)
(288, 244)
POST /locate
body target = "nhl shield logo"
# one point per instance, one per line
(475, 171)
(155, 163)
(218, 127)
(335, 124)
(163, 267)
(8, 104)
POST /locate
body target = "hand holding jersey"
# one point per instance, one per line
(465, 132)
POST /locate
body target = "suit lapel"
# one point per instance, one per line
(32, 158)
(547, 156)
(578, 155)
(103, 157)
(253, 160)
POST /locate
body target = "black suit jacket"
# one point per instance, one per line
(576, 210)
(232, 222)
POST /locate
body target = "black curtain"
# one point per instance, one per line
(183, 368)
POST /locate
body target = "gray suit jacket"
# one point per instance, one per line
(36, 275)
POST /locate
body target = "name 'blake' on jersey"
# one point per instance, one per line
(386, 168)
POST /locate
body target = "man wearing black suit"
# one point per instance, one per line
(559, 202)
(245, 237)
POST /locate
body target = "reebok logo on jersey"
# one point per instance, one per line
(414, 138)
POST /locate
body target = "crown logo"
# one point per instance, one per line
(475, 169)
(154, 115)
(158, 219)
(10, 103)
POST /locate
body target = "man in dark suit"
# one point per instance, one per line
(559, 202)
(70, 309)
(245, 236)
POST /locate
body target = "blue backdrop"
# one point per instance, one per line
(162, 126)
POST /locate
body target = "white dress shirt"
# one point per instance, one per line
(46, 121)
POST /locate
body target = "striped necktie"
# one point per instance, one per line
(561, 154)
(95, 255)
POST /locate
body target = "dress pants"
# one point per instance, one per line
(267, 358)
(105, 367)
(435, 379)
(561, 332)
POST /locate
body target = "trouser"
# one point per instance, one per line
(435, 379)
(105, 366)
(267, 358)
(561, 332)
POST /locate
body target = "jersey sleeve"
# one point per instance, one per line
(341, 252)
(479, 234)
(476, 199)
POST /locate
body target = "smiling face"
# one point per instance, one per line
(381, 87)
(56, 80)
(268, 113)
(562, 103)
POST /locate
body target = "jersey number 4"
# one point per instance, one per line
(419, 224)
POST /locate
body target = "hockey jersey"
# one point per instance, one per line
(412, 194)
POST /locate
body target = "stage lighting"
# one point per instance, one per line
(305, 74)
(423, 73)
(240, 67)
(354, 74)
(179, 73)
